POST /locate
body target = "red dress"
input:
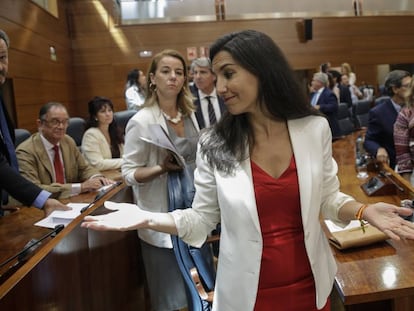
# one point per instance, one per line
(286, 281)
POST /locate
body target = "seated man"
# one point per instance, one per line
(379, 139)
(51, 159)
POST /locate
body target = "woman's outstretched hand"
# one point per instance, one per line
(125, 217)
(387, 218)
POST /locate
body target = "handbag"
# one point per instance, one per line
(196, 264)
(356, 237)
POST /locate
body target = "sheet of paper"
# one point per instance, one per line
(334, 228)
(62, 217)
(161, 139)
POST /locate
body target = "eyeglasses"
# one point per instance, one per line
(56, 122)
(405, 85)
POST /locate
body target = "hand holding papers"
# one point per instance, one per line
(353, 236)
(158, 137)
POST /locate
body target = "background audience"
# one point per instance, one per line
(347, 70)
(135, 89)
(404, 136)
(379, 138)
(325, 101)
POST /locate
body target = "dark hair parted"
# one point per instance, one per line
(133, 79)
(394, 78)
(184, 98)
(280, 95)
(94, 106)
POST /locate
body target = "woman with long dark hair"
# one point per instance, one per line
(266, 172)
(135, 89)
(102, 142)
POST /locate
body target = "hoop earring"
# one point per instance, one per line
(153, 86)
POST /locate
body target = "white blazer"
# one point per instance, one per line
(231, 200)
(97, 151)
(152, 195)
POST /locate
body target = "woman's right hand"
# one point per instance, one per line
(170, 164)
(125, 217)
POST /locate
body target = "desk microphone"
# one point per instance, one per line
(100, 194)
(31, 246)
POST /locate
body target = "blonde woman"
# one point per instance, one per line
(168, 103)
(347, 70)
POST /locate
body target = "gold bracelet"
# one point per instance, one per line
(358, 216)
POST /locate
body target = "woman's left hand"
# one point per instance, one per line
(387, 218)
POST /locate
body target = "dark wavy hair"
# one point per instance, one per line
(280, 95)
(96, 104)
(133, 79)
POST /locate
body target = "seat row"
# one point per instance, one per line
(356, 117)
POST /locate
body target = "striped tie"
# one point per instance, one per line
(211, 113)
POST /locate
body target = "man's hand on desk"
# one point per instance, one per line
(94, 184)
(52, 205)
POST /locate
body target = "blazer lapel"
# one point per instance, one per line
(301, 146)
(244, 180)
(43, 155)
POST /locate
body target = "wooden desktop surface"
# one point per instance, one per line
(379, 276)
(79, 269)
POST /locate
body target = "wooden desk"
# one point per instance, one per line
(79, 269)
(380, 276)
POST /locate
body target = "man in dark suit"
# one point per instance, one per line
(326, 101)
(379, 139)
(209, 105)
(10, 180)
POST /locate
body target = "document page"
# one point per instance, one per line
(159, 137)
(62, 217)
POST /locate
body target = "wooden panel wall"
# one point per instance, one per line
(36, 78)
(94, 55)
(104, 53)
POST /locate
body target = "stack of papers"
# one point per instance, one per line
(62, 217)
(334, 228)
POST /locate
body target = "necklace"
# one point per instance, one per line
(174, 120)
